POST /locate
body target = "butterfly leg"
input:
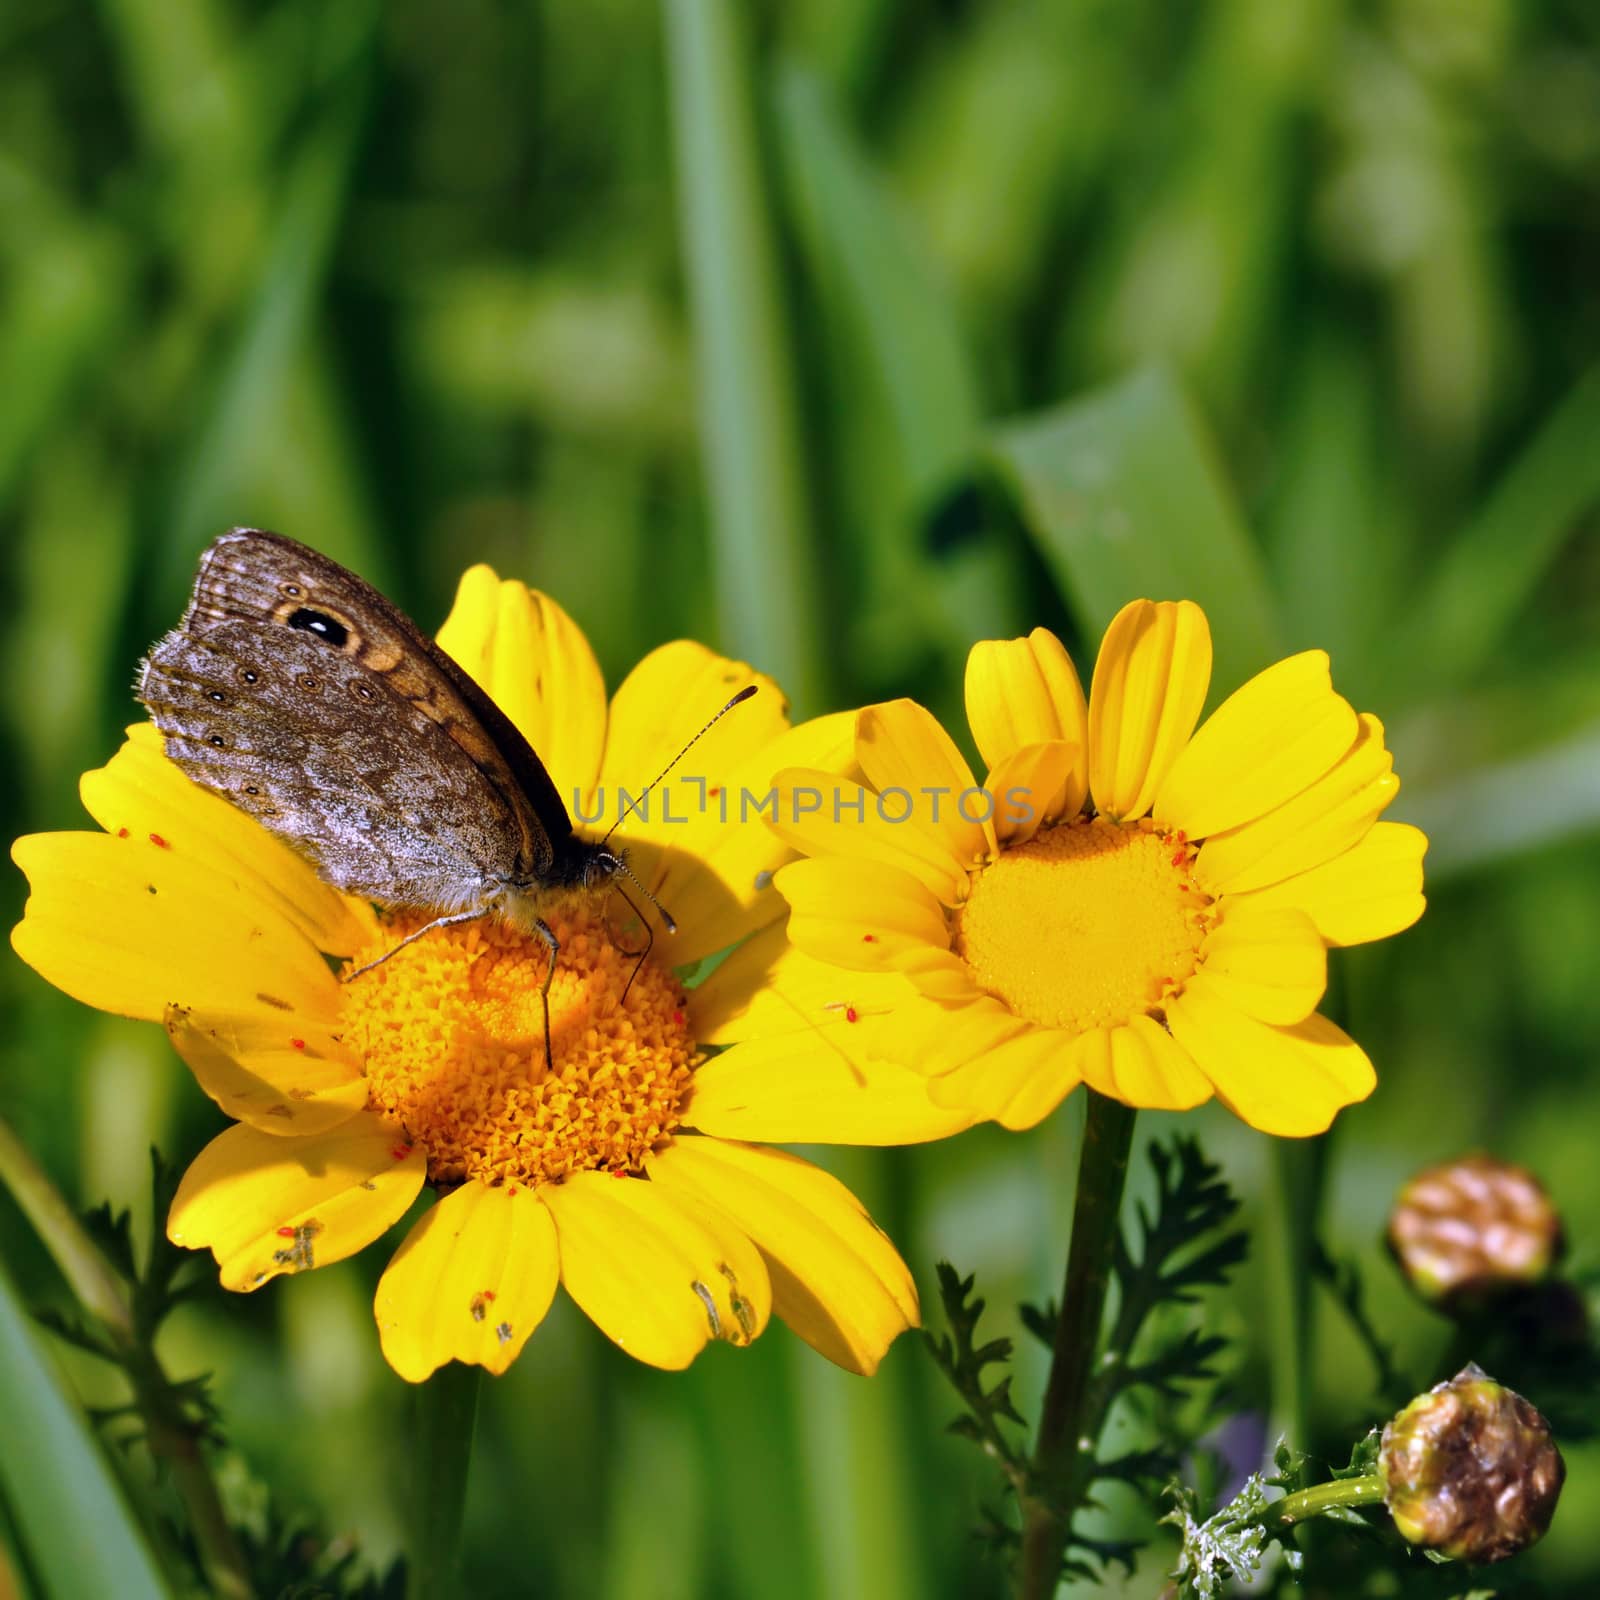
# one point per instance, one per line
(553, 944)
(649, 940)
(427, 927)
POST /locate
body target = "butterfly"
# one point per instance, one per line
(298, 693)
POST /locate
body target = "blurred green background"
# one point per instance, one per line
(838, 333)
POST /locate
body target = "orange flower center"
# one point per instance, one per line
(451, 1029)
(1087, 924)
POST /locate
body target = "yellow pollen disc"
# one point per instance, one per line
(1086, 925)
(452, 1033)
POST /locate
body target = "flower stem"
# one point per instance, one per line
(1294, 1202)
(447, 1413)
(1065, 1445)
(172, 1438)
(1306, 1503)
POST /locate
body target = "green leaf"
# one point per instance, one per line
(1125, 498)
(80, 1535)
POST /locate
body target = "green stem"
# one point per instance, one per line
(1293, 1203)
(171, 1436)
(1064, 1449)
(447, 1413)
(1307, 1503)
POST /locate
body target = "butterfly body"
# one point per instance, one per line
(297, 692)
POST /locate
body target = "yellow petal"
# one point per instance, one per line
(1271, 964)
(280, 1075)
(1289, 1081)
(142, 791)
(819, 814)
(265, 1205)
(941, 1039)
(1018, 1081)
(1092, 1059)
(939, 975)
(901, 747)
(659, 707)
(736, 1000)
(1023, 692)
(769, 990)
(1369, 892)
(534, 662)
(1321, 822)
(802, 1088)
(714, 873)
(859, 914)
(473, 1279)
(1265, 743)
(1147, 1068)
(133, 926)
(1149, 684)
(1032, 786)
(658, 1273)
(836, 1279)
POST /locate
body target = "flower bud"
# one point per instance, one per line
(1466, 1232)
(1470, 1470)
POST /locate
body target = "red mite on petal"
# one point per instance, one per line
(286, 1233)
(400, 1152)
(122, 833)
(298, 1044)
(869, 938)
(159, 842)
(850, 1014)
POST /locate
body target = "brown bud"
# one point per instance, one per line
(1468, 1231)
(1470, 1470)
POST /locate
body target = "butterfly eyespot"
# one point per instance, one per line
(362, 691)
(309, 680)
(321, 624)
(217, 695)
(250, 788)
(219, 741)
(293, 590)
(249, 676)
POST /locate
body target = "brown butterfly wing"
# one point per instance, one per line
(324, 755)
(366, 747)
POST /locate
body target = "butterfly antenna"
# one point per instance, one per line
(635, 801)
(666, 916)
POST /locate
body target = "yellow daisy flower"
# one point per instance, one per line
(628, 1173)
(1127, 902)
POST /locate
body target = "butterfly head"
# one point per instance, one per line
(600, 864)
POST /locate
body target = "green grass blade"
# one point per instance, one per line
(902, 391)
(1482, 584)
(254, 380)
(81, 1537)
(891, 302)
(749, 422)
(1125, 498)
